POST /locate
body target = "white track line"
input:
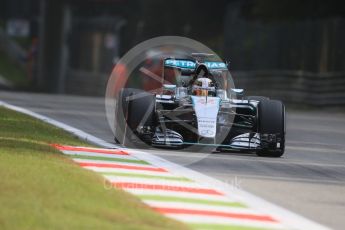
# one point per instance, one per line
(286, 217)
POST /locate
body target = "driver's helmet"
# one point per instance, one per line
(203, 85)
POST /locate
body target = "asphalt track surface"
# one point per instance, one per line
(309, 179)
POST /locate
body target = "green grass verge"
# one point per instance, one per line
(43, 189)
(12, 72)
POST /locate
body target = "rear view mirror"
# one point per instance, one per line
(237, 93)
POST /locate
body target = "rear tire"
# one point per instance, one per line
(271, 120)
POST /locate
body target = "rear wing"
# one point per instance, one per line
(189, 64)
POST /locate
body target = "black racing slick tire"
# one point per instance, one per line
(135, 108)
(271, 120)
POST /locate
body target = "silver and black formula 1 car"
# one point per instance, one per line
(198, 107)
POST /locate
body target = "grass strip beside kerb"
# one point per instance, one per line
(43, 189)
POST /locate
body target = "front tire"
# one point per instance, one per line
(135, 109)
(271, 120)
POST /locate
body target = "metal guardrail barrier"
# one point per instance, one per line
(294, 87)
(86, 83)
